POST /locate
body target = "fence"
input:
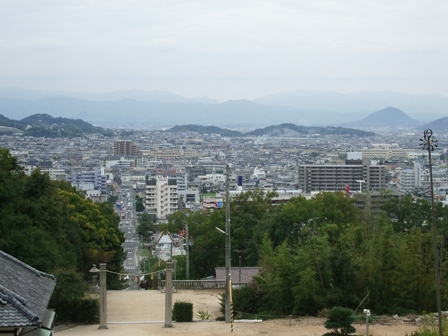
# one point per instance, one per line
(197, 284)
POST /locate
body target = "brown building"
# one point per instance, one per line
(126, 148)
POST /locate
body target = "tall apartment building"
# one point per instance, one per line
(410, 178)
(181, 178)
(126, 148)
(336, 177)
(161, 197)
(90, 180)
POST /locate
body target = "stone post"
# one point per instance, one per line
(169, 295)
(103, 297)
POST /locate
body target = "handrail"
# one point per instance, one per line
(197, 284)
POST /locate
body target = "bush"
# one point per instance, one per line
(203, 314)
(183, 311)
(79, 311)
(430, 327)
(247, 301)
(340, 321)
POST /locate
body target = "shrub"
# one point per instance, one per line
(183, 311)
(340, 321)
(78, 311)
(430, 327)
(203, 314)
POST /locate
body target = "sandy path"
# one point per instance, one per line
(143, 313)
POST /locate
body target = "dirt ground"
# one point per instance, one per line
(143, 313)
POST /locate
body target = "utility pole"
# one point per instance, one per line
(228, 260)
(187, 259)
(428, 142)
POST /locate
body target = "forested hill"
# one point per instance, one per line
(294, 130)
(278, 130)
(44, 125)
(204, 130)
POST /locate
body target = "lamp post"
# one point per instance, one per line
(103, 293)
(428, 142)
(187, 253)
(367, 312)
(228, 261)
(228, 256)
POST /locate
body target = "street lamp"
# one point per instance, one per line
(428, 142)
(367, 312)
(228, 255)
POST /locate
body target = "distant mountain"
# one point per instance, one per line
(438, 125)
(139, 95)
(294, 130)
(44, 125)
(430, 107)
(387, 117)
(204, 130)
(157, 109)
(128, 113)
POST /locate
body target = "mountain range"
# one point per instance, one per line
(157, 109)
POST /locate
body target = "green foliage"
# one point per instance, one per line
(430, 327)
(70, 286)
(78, 311)
(247, 301)
(183, 311)
(204, 315)
(139, 207)
(53, 228)
(340, 321)
(145, 226)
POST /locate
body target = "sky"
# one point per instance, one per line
(228, 49)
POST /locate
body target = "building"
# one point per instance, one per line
(24, 296)
(181, 178)
(161, 197)
(90, 180)
(355, 173)
(126, 148)
(410, 178)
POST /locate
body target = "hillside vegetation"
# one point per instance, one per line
(53, 228)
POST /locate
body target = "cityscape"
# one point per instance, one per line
(279, 164)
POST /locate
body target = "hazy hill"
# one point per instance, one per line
(47, 126)
(437, 125)
(294, 130)
(387, 117)
(140, 95)
(203, 130)
(284, 130)
(418, 106)
(155, 109)
(133, 113)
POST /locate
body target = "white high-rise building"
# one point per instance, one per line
(161, 198)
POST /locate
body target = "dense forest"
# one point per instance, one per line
(53, 228)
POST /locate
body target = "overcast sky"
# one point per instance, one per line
(225, 49)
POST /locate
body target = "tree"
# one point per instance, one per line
(340, 321)
(139, 206)
(145, 226)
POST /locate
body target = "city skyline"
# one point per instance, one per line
(231, 50)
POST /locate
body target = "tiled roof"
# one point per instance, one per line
(13, 311)
(24, 292)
